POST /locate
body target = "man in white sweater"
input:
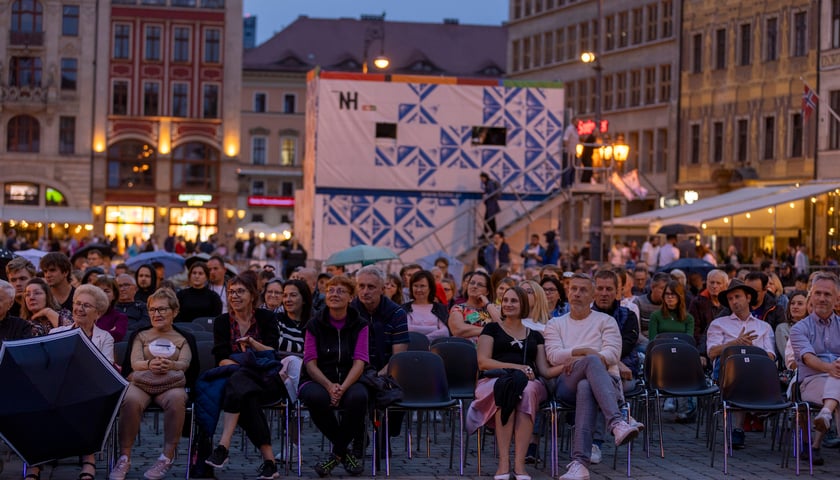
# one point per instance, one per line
(583, 348)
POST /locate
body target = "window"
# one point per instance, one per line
(623, 25)
(717, 142)
(22, 194)
(517, 9)
(593, 95)
(70, 20)
(650, 85)
(527, 8)
(119, 98)
(526, 53)
(835, 23)
(212, 45)
(621, 90)
(287, 189)
(660, 156)
(571, 42)
(609, 28)
(694, 155)
(646, 154)
(288, 151)
(25, 72)
(210, 104)
(67, 135)
(260, 102)
(516, 56)
(697, 53)
(69, 73)
(258, 150)
(570, 94)
(548, 47)
(583, 95)
(771, 38)
(834, 125)
(746, 45)
(122, 41)
(742, 134)
(23, 135)
(665, 83)
(386, 130)
(720, 49)
(635, 88)
(583, 28)
(652, 22)
(151, 98)
(195, 166)
(494, 136)
(289, 101)
(152, 43)
(637, 26)
(181, 45)
(796, 135)
(769, 138)
(27, 16)
(559, 44)
(180, 107)
(131, 165)
(800, 34)
(667, 18)
(537, 50)
(596, 32)
(608, 93)
(258, 187)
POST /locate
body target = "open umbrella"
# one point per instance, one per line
(364, 254)
(6, 256)
(104, 248)
(677, 229)
(173, 264)
(203, 257)
(689, 266)
(33, 255)
(59, 397)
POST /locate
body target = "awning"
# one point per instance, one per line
(46, 214)
(748, 211)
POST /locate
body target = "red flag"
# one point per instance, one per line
(809, 102)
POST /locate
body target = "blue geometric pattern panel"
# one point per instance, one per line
(418, 112)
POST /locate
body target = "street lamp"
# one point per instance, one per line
(373, 32)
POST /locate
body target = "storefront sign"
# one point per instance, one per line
(264, 201)
(587, 127)
(194, 200)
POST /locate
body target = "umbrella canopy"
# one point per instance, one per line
(6, 256)
(364, 254)
(689, 266)
(33, 255)
(677, 229)
(173, 264)
(60, 396)
(456, 267)
(104, 248)
(203, 257)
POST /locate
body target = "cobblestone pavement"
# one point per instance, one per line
(686, 458)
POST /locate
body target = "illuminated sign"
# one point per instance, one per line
(263, 201)
(194, 200)
(587, 127)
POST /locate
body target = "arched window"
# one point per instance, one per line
(27, 16)
(195, 167)
(131, 165)
(24, 134)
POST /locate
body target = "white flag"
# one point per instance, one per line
(622, 187)
(631, 180)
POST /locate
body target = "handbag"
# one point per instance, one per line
(155, 383)
(384, 389)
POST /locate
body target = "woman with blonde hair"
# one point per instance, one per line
(540, 311)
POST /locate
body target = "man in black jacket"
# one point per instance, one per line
(766, 308)
(11, 327)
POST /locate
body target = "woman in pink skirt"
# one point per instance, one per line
(520, 351)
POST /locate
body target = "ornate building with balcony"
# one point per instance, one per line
(47, 95)
(166, 131)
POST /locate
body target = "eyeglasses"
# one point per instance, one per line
(273, 292)
(337, 291)
(477, 284)
(124, 285)
(238, 292)
(159, 310)
(83, 306)
(550, 290)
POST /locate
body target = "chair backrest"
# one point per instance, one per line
(191, 327)
(418, 341)
(421, 375)
(120, 349)
(206, 360)
(461, 363)
(736, 350)
(453, 340)
(750, 379)
(202, 336)
(655, 343)
(682, 337)
(674, 366)
(205, 322)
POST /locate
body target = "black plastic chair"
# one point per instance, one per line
(202, 336)
(422, 377)
(810, 408)
(205, 322)
(674, 370)
(191, 327)
(120, 349)
(727, 352)
(682, 337)
(751, 383)
(453, 340)
(418, 342)
(461, 363)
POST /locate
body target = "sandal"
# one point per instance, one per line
(86, 475)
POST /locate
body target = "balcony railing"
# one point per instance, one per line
(23, 94)
(28, 39)
(220, 4)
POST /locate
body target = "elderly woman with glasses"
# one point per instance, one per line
(273, 295)
(197, 300)
(467, 319)
(246, 328)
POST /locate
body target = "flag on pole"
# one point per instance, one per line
(809, 102)
(631, 179)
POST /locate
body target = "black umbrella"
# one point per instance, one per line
(677, 229)
(6, 256)
(103, 248)
(59, 397)
(689, 266)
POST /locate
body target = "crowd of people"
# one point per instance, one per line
(578, 337)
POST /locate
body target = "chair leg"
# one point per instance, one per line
(189, 442)
(726, 441)
(659, 423)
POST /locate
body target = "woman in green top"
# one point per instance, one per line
(673, 318)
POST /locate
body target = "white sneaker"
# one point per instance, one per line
(624, 432)
(120, 469)
(670, 405)
(575, 471)
(159, 469)
(636, 424)
(822, 422)
(595, 456)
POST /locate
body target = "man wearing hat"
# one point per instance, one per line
(738, 328)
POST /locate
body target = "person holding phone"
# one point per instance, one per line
(467, 319)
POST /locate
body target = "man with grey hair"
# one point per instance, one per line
(138, 315)
(706, 306)
(11, 327)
